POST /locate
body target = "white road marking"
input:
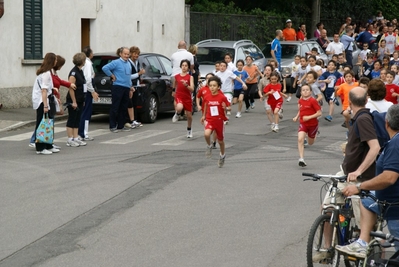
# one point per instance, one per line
(134, 137)
(27, 136)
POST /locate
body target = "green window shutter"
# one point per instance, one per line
(33, 29)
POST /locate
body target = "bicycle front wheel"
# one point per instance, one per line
(320, 250)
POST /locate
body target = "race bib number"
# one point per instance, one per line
(367, 72)
(276, 95)
(84, 88)
(214, 111)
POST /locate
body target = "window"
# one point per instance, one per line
(253, 51)
(33, 29)
(166, 64)
(155, 67)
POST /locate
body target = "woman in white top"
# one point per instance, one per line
(42, 89)
(377, 91)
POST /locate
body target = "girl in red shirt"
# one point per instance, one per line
(275, 98)
(308, 112)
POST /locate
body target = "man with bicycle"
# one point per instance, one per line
(386, 184)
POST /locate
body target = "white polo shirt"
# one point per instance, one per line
(338, 48)
(227, 77)
(176, 59)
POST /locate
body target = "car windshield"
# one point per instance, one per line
(209, 55)
(100, 62)
(287, 50)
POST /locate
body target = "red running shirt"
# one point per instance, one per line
(215, 108)
(182, 92)
(308, 107)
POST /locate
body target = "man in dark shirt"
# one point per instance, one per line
(363, 147)
(386, 184)
(323, 40)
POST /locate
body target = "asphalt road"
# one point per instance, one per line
(149, 197)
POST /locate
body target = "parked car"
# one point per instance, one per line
(154, 94)
(212, 50)
(289, 49)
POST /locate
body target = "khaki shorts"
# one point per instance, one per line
(340, 199)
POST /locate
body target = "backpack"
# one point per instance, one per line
(379, 127)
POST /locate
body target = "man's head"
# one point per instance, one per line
(358, 97)
(336, 37)
(323, 33)
(182, 45)
(303, 27)
(288, 23)
(392, 118)
(279, 34)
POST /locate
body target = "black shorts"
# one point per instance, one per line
(74, 116)
(238, 92)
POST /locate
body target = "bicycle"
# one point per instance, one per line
(335, 226)
(383, 259)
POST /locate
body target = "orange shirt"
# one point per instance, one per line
(343, 92)
(251, 73)
(289, 34)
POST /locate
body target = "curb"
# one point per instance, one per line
(22, 124)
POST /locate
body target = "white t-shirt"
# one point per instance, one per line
(378, 105)
(363, 54)
(316, 68)
(227, 77)
(176, 59)
(294, 68)
(46, 82)
(88, 71)
(231, 67)
(336, 47)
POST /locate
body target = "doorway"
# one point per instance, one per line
(85, 38)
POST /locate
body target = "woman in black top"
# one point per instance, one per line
(75, 100)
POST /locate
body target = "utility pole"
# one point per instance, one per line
(315, 14)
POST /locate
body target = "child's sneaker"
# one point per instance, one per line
(302, 162)
(208, 152)
(275, 129)
(238, 115)
(221, 161)
(280, 114)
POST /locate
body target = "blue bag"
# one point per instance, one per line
(45, 131)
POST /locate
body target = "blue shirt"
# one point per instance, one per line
(243, 75)
(276, 47)
(388, 161)
(375, 74)
(122, 70)
(347, 42)
(332, 76)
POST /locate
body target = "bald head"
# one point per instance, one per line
(358, 97)
(182, 45)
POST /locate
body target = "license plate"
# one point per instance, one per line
(105, 100)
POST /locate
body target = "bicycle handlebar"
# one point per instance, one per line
(390, 238)
(315, 176)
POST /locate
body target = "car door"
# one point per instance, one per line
(167, 67)
(154, 73)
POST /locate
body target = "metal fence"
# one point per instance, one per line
(259, 29)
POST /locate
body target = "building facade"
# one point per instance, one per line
(31, 28)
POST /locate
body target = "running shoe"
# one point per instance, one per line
(328, 118)
(289, 99)
(44, 152)
(238, 115)
(252, 105)
(136, 124)
(221, 161)
(54, 150)
(175, 118)
(208, 152)
(72, 143)
(301, 162)
(189, 134)
(80, 142)
(275, 128)
(353, 249)
(214, 145)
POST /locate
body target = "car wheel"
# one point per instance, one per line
(150, 111)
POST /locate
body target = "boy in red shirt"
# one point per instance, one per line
(214, 116)
(308, 112)
(275, 98)
(392, 89)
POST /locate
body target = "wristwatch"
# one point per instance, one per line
(358, 186)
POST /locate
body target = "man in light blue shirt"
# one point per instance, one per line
(276, 48)
(347, 40)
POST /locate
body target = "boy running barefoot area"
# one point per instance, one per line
(274, 98)
(184, 84)
(343, 92)
(308, 112)
(213, 117)
(238, 90)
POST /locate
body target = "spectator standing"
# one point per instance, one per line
(137, 71)
(390, 39)
(301, 35)
(76, 99)
(348, 22)
(322, 40)
(193, 49)
(90, 95)
(178, 56)
(289, 33)
(347, 40)
(42, 90)
(319, 28)
(364, 37)
(335, 47)
(276, 48)
(120, 72)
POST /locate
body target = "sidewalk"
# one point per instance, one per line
(12, 119)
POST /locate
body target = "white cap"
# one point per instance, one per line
(288, 20)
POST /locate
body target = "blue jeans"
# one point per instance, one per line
(393, 224)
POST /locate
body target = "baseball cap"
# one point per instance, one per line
(288, 20)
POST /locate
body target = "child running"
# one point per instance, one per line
(262, 83)
(274, 98)
(330, 77)
(308, 112)
(213, 117)
(238, 90)
(343, 92)
(184, 84)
